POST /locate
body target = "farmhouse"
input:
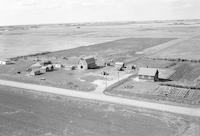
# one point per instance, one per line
(156, 74)
(148, 74)
(87, 63)
(5, 62)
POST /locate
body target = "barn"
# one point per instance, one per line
(148, 74)
(87, 63)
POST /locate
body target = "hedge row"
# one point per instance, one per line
(180, 86)
(177, 59)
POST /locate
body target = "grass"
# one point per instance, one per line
(27, 113)
(188, 49)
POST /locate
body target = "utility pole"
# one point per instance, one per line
(118, 75)
(106, 80)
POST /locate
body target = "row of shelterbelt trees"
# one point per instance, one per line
(178, 59)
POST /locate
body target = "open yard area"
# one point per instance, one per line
(25, 113)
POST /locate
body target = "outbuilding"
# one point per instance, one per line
(148, 74)
(5, 62)
(119, 65)
(87, 63)
(47, 68)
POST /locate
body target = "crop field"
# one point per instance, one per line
(188, 49)
(24, 113)
(116, 50)
(25, 40)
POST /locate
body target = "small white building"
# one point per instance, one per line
(47, 68)
(119, 65)
(58, 65)
(5, 62)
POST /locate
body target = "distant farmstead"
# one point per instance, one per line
(87, 63)
(148, 74)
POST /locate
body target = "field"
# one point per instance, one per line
(25, 40)
(188, 49)
(121, 49)
(25, 113)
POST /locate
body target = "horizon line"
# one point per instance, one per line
(100, 22)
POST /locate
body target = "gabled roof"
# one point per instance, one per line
(89, 60)
(163, 73)
(147, 71)
(166, 73)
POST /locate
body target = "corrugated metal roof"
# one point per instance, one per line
(147, 71)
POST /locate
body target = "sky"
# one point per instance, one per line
(19, 12)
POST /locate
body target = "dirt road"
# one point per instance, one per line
(101, 97)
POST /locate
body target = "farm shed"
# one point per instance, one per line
(5, 62)
(58, 65)
(87, 63)
(148, 74)
(119, 65)
(39, 65)
(44, 63)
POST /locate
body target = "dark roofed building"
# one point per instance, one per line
(148, 74)
(155, 74)
(87, 63)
